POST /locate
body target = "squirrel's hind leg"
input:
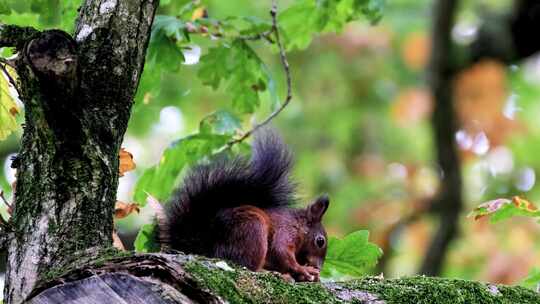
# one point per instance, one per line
(242, 236)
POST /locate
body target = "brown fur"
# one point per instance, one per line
(279, 239)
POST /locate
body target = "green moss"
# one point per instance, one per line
(242, 286)
(81, 259)
(427, 290)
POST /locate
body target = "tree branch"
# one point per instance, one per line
(286, 69)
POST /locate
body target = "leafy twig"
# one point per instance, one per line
(285, 64)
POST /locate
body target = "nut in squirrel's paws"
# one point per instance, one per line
(308, 274)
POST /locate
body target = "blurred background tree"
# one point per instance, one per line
(361, 125)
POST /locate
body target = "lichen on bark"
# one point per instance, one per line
(76, 114)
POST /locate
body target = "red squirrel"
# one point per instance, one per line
(241, 210)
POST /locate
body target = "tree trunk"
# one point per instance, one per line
(448, 203)
(167, 278)
(78, 94)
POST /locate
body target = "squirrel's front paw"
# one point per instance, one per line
(287, 277)
(308, 274)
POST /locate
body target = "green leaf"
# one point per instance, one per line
(165, 49)
(17, 6)
(511, 210)
(220, 122)
(244, 73)
(146, 240)
(170, 26)
(4, 7)
(533, 279)
(50, 11)
(255, 26)
(8, 108)
(299, 23)
(502, 208)
(160, 180)
(215, 66)
(304, 19)
(272, 89)
(373, 9)
(40, 13)
(351, 256)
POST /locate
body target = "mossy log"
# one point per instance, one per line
(178, 278)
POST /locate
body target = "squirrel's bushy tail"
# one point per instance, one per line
(262, 181)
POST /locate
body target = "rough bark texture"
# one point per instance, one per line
(78, 95)
(165, 278)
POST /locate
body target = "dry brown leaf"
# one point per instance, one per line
(117, 242)
(122, 210)
(126, 162)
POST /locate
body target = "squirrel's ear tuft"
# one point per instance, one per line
(317, 209)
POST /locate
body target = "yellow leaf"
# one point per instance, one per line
(126, 162)
(199, 13)
(8, 106)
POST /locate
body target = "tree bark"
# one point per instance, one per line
(78, 94)
(167, 278)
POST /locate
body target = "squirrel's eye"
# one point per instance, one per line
(320, 241)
